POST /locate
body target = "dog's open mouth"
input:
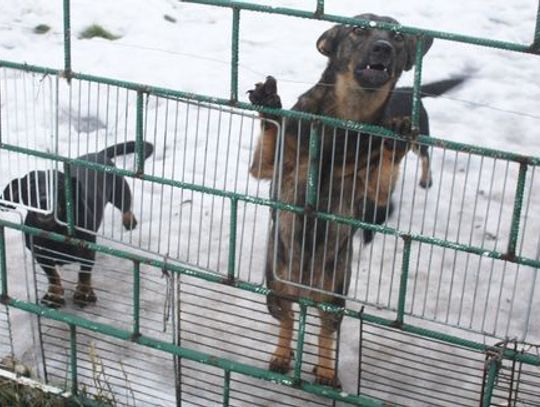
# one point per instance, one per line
(372, 75)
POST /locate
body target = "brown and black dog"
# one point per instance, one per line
(307, 256)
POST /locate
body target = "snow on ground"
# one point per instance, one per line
(471, 201)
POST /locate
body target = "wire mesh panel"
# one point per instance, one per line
(28, 121)
(109, 369)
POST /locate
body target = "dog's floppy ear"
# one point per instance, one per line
(411, 49)
(328, 41)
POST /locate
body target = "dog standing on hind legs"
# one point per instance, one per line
(357, 84)
(91, 191)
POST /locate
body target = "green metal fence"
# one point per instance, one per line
(500, 361)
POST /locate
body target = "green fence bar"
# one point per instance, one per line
(493, 371)
(403, 281)
(232, 240)
(313, 169)
(300, 342)
(194, 355)
(320, 8)
(419, 58)
(73, 357)
(484, 42)
(3, 265)
(67, 39)
(136, 298)
(234, 54)
(68, 187)
(258, 289)
(536, 43)
(139, 133)
(518, 204)
(345, 124)
(226, 387)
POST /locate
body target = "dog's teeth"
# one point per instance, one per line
(368, 67)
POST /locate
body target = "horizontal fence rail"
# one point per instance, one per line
(496, 364)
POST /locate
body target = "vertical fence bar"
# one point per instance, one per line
(518, 204)
(493, 370)
(73, 357)
(232, 239)
(226, 387)
(536, 43)
(136, 298)
(139, 133)
(320, 8)
(300, 342)
(313, 171)
(419, 58)
(3, 264)
(234, 54)
(403, 280)
(68, 187)
(67, 38)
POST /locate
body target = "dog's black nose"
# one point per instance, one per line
(382, 48)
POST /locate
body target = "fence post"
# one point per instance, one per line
(234, 54)
(419, 58)
(73, 357)
(67, 39)
(536, 43)
(232, 240)
(300, 343)
(139, 133)
(3, 265)
(403, 280)
(226, 387)
(68, 187)
(136, 299)
(493, 370)
(320, 8)
(516, 215)
(313, 171)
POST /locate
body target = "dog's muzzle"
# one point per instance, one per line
(377, 69)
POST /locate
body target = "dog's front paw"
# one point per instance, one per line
(326, 377)
(84, 295)
(281, 362)
(53, 300)
(265, 94)
(401, 125)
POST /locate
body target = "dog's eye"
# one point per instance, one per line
(359, 30)
(399, 37)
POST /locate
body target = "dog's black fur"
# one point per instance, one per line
(91, 190)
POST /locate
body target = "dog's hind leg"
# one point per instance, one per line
(84, 293)
(325, 372)
(281, 358)
(54, 298)
(426, 180)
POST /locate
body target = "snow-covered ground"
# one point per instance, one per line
(471, 201)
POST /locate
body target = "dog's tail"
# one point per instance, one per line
(433, 89)
(127, 148)
(440, 87)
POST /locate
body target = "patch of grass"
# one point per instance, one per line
(96, 30)
(18, 395)
(41, 29)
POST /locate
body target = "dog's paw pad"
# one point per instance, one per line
(84, 297)
(326, 377)
(265, 94)
(53, 300)
(402, 126)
